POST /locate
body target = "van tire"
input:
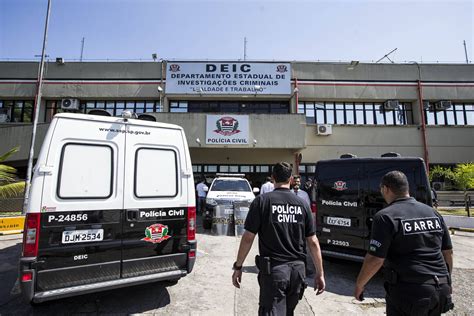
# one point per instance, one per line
(206, 223)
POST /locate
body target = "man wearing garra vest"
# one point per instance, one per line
(284, 225)
(412, 242)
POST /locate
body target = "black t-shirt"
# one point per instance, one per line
(410, 236)
(282, 221)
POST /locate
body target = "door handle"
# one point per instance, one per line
(132, 215)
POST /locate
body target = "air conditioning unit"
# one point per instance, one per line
(70, 104)
(442, 105)
(438, 186)
(324, 129)
(390, 105)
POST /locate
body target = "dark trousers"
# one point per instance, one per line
(281, 290)
(201, 205)
(416, 299)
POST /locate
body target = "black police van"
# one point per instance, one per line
(348, 196)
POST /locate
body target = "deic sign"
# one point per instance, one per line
(228, 78)
(227, 129)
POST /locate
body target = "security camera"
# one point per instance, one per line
(160, 89)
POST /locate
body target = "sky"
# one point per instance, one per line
(301, 30)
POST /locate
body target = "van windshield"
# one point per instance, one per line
(231, 185)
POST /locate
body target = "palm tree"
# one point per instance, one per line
(9, 184)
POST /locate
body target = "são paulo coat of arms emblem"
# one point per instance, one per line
(156, 233)
(227, 126)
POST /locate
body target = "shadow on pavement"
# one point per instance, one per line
(130, 300)
(341, 276)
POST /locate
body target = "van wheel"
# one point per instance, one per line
(206, 223)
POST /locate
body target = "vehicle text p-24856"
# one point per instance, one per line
(67, 218)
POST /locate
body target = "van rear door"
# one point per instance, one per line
(155, 200)
(340, 217)
(413, 168)
(81, 203)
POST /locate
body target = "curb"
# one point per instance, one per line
(11, 232)
(460, 229)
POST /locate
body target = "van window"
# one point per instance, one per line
(156, 173)
(85, 171)
(339, 181)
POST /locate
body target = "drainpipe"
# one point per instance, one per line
(423, 123)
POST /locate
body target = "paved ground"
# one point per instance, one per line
(208, 289)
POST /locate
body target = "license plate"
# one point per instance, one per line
(75, 236)
(338, 221)
(228, 211)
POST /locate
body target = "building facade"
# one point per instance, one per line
(242, 117)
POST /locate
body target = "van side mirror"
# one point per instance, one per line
(256, 190)
(205, 189)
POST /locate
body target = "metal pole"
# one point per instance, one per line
(245, 48)
(465, 52)
(36, 111)
(82, 48)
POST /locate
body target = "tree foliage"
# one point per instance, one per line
(10, 186)
(462, 175)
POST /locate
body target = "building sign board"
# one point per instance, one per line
(227, 129)
(228, 78)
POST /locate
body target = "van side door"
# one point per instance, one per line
(81, 204)
(156, 196)
(340, 217)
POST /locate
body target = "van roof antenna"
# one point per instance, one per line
(386, 56)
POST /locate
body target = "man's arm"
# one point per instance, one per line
(319, 282)
(448, 257)
(244, 248)
(371, 265)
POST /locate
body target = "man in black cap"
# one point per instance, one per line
(284, 224)
(412, 242)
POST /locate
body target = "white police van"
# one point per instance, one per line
(112, 204)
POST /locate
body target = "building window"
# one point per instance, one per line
(16, 111)
(263, 107)
(179, 106)
(457, 114)
(115, 108)
(355, 113)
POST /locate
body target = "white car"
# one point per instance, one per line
(225, 191)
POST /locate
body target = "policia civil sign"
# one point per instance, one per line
(228, 78)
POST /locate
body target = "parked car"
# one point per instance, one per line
(225, 190)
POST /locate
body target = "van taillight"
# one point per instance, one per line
(314, 210)
(31, 235)
(191, 223)
(27, 276)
